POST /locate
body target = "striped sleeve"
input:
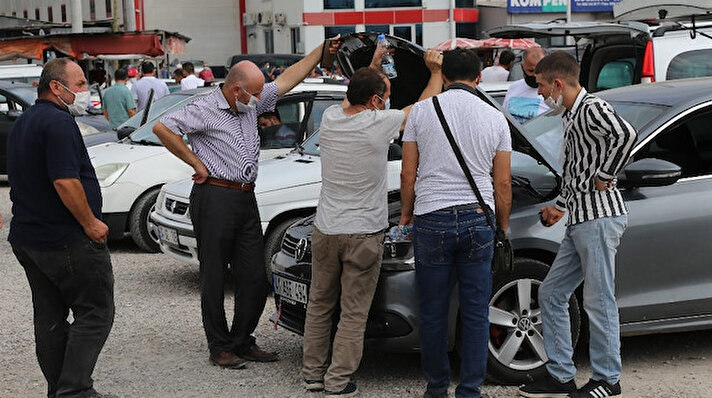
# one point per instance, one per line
(618, 134)
(185, 121)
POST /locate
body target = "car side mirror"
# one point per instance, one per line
(649, 172)
(13, 114)
(125, 132)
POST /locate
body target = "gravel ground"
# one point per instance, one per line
(157, 347)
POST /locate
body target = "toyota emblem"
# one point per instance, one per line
(301, 249)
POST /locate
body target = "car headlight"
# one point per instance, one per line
(397, 256)
(107, 174)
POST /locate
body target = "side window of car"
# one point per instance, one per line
(690, 64)
(616, 73)
(687, 144)
(5, 105)
(318, 109)
(281, 128)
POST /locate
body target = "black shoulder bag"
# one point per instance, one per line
(503, 253)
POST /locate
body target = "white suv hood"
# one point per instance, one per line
(115, 152)
(276, 174)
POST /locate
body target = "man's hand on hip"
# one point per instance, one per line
(201, 173)
(602, 185)
(97, 231)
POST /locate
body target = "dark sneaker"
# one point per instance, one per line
(349, 391)
(598, 389)
(548, 387)
(314, 385)
(256, 354)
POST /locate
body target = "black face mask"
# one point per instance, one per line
(531, 81)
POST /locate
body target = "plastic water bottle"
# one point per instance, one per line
(399, 233)
(387, 63)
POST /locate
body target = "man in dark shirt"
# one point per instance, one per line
(56, 232)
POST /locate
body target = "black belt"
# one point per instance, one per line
(467, 206)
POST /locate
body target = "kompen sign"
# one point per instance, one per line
(546, 6)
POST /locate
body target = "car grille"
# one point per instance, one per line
(289, 245)
(176, 207)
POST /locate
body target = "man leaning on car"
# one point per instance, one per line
(222, 130)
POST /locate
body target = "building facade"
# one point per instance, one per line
(297, 26)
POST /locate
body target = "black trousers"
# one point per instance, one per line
(78, 277)
(228, 231)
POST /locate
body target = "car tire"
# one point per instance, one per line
(273, 243)
(516, 349)
(143, 231)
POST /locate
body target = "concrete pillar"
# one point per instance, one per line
(77, 17)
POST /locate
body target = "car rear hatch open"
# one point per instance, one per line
(357, 51)
(613, 57)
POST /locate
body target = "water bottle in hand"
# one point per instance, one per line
(399, 233)
(387, 63)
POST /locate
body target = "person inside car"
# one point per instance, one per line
(275, 134)
(522, 100)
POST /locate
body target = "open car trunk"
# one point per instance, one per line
(357, 51)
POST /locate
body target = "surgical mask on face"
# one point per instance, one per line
(386, 103)
(80, 104)
(531, 81)
(249, 106)
(556, 105)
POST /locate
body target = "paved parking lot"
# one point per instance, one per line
(157, 347)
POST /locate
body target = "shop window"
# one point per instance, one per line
(393, 3)
(338, 4)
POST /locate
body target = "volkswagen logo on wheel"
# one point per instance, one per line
(301, 249)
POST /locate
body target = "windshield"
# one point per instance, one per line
(311, 144)
(157, 108)
(27, 94)
(548, 130)
(145, 133)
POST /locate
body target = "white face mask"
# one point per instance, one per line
(249, 106)
(556, 106)
(386, 103)
(80, 104)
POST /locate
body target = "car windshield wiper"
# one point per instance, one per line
(299, 149)
(146, 142)
(526, 184)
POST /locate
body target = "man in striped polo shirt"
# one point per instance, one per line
(597, 143)
(222, 130)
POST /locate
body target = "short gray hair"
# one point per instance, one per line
(55, 69)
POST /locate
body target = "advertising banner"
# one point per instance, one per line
(547, 6)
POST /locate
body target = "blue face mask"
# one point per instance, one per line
(386, 103)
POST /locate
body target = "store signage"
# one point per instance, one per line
(547, 6)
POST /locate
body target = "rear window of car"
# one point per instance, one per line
(616, 73)
(689, 64)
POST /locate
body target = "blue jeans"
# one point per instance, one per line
(587, 254)
(453, 246)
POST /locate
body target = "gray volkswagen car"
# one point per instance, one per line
(664, 275)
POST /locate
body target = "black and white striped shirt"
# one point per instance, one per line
(597, 143)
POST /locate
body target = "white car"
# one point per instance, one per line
(287, 189)
(131, 172)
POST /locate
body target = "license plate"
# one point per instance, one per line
(290, 290)
(168, 235)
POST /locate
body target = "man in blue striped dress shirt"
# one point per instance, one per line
(597, 144)
(222, 130)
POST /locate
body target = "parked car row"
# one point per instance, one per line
(664, 278)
